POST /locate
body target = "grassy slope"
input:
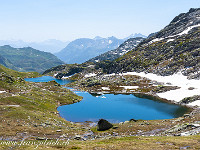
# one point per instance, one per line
(31, 107)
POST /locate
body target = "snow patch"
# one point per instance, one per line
(169, 40)
(65, 77)
(90, 75)
(172, 36)
(188, 29)
(130, 87)
(110, 42)
(156, 40)
(176, 80)
(55, 74)
(195, 103)
(105, 88)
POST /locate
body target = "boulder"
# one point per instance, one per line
(103, 125)
(133, 120)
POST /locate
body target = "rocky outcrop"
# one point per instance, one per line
(103, 125)
(188, 100)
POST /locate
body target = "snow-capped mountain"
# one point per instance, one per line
(121, 50)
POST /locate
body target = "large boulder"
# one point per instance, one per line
(103, 125)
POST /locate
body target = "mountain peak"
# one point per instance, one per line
(181, 24)
(98, 38)
(193, 9)
(135, 35)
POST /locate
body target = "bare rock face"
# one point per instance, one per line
(103, 125)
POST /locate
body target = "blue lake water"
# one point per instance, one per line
(114, 108)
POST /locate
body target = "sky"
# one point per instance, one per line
(66, 20)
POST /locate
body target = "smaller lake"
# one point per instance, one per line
(47, 79)
(114, 108)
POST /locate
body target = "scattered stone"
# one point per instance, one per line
(185, 147)
(41, 138)
(186, 115)
(48, 123)
(77, 137)
(103, 125)
(58, 130)
(182, 127)
(63, 136)
(191, 88)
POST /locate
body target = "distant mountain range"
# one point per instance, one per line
(81, 50)
(27, 59)
(51, 45)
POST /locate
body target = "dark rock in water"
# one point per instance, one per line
(103, 125)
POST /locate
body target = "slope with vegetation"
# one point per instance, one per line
(28, 59)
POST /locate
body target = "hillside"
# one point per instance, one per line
(27, 59)
(174, 48)
(121, 50)
(5, 62)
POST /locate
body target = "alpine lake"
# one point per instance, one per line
(113, 107)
